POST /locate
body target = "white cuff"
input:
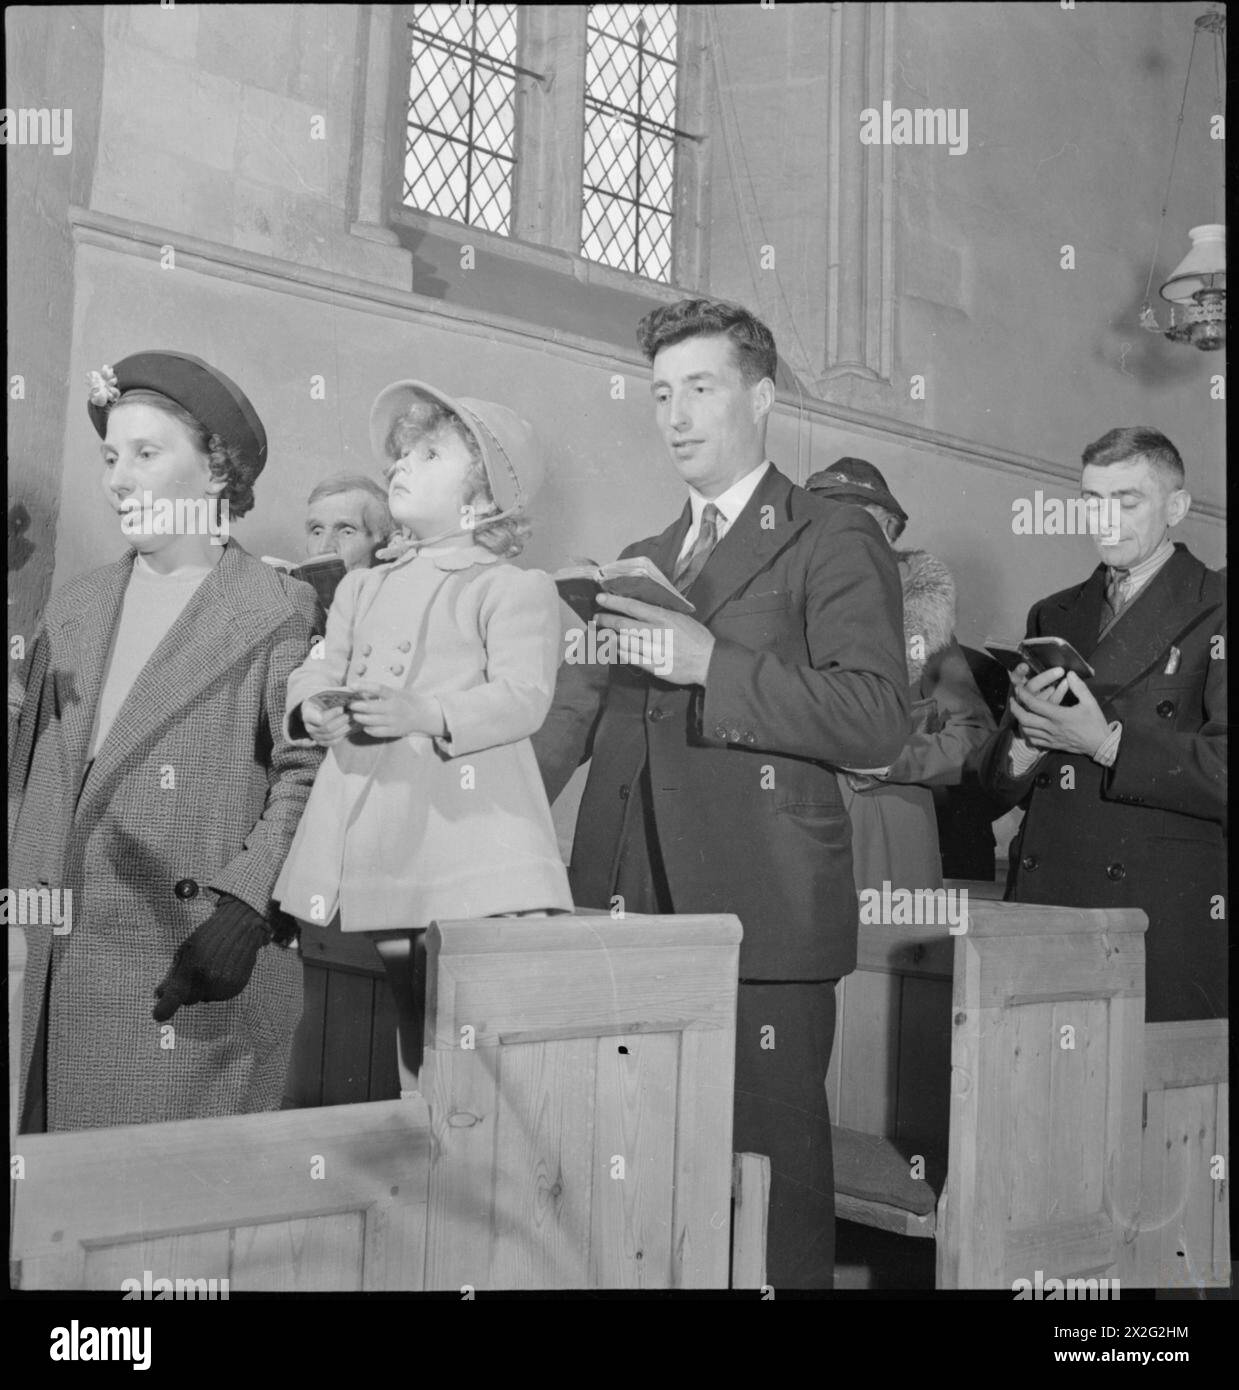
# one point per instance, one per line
(1108, 749)
(1021, 757)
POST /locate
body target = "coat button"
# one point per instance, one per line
(405, 646)
(1029, 862)
(623, 792)
(186, 888)
(1166, 709)
(361, 670)
(1116, 871)
(735, 735)
(750, 737)
(1042, 779)
(397, 669)
(657, 714)
(720, 731)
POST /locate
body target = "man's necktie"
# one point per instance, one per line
(1116, 596)
(690, 567)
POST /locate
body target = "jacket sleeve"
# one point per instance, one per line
(993, 765)
(251, 874)
(566, 737)
(849, 705)
(519, 621)
(936, 757)
(1173, 770)
(327, 663)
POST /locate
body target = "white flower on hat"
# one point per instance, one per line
(103, 387)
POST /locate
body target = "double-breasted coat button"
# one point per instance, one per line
(397, 669)
(1042, 779)
(367, 649)
(1029, 861)
(1116, 871)
(1166, 709)
(623, 792)
(186, 888)
(750, 737)
(720, 731)
(405, 646)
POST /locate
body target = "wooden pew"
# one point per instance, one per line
(575, 1132)
(1007, 1058)
(950, 1049)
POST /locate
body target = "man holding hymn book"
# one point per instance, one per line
(1124, 778)
(712, 785)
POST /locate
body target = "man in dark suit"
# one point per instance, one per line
(1125, 789)
(711, 786)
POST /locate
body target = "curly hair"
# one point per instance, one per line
(225, 460)
(506, 537)
(751, 341)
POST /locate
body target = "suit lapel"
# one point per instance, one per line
(664, 549)
(234, 608)
(1077, 616)
(82, 646)
(748, 546)
(1158, 617)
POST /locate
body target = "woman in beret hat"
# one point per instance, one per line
(429, 803)
(151, 777)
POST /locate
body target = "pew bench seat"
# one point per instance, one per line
(874, 1185)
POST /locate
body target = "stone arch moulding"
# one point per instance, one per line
(859, 286)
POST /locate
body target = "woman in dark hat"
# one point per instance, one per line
(151, 779)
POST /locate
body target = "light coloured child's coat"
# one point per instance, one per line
(400, 832)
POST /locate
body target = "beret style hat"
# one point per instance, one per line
(509, 447)
(212, 398)
(854, 480)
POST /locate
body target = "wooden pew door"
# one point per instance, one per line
(1044, 1165)
(332, 1199)
(579, 1075)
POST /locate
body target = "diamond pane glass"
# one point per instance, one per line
(630, 138)
(460, 148)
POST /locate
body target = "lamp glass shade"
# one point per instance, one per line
(1202, 266)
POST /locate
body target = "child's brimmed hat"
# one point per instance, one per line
(509, 447)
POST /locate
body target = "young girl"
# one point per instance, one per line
(429, 803)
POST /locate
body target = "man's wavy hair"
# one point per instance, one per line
(505, 538)
(225, 459)
(753, 343)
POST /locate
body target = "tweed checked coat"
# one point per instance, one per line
(194, 788)
(1150, 831)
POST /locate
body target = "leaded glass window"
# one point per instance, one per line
(460, 149)
(630, 138)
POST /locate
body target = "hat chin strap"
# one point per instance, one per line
(458, 531)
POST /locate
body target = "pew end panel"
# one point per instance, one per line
(1043, 1165)
(579, 1072)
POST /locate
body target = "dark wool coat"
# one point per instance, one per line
(195, 788)
(1148, 832)
(808, 670)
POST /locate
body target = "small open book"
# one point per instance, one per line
(1040, 654)
(324, 572)
(637, 577)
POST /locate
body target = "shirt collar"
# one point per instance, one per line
(1148, 567)
(732, 502)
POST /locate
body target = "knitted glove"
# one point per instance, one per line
(216, 962)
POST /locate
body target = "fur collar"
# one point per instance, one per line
(928, 607)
